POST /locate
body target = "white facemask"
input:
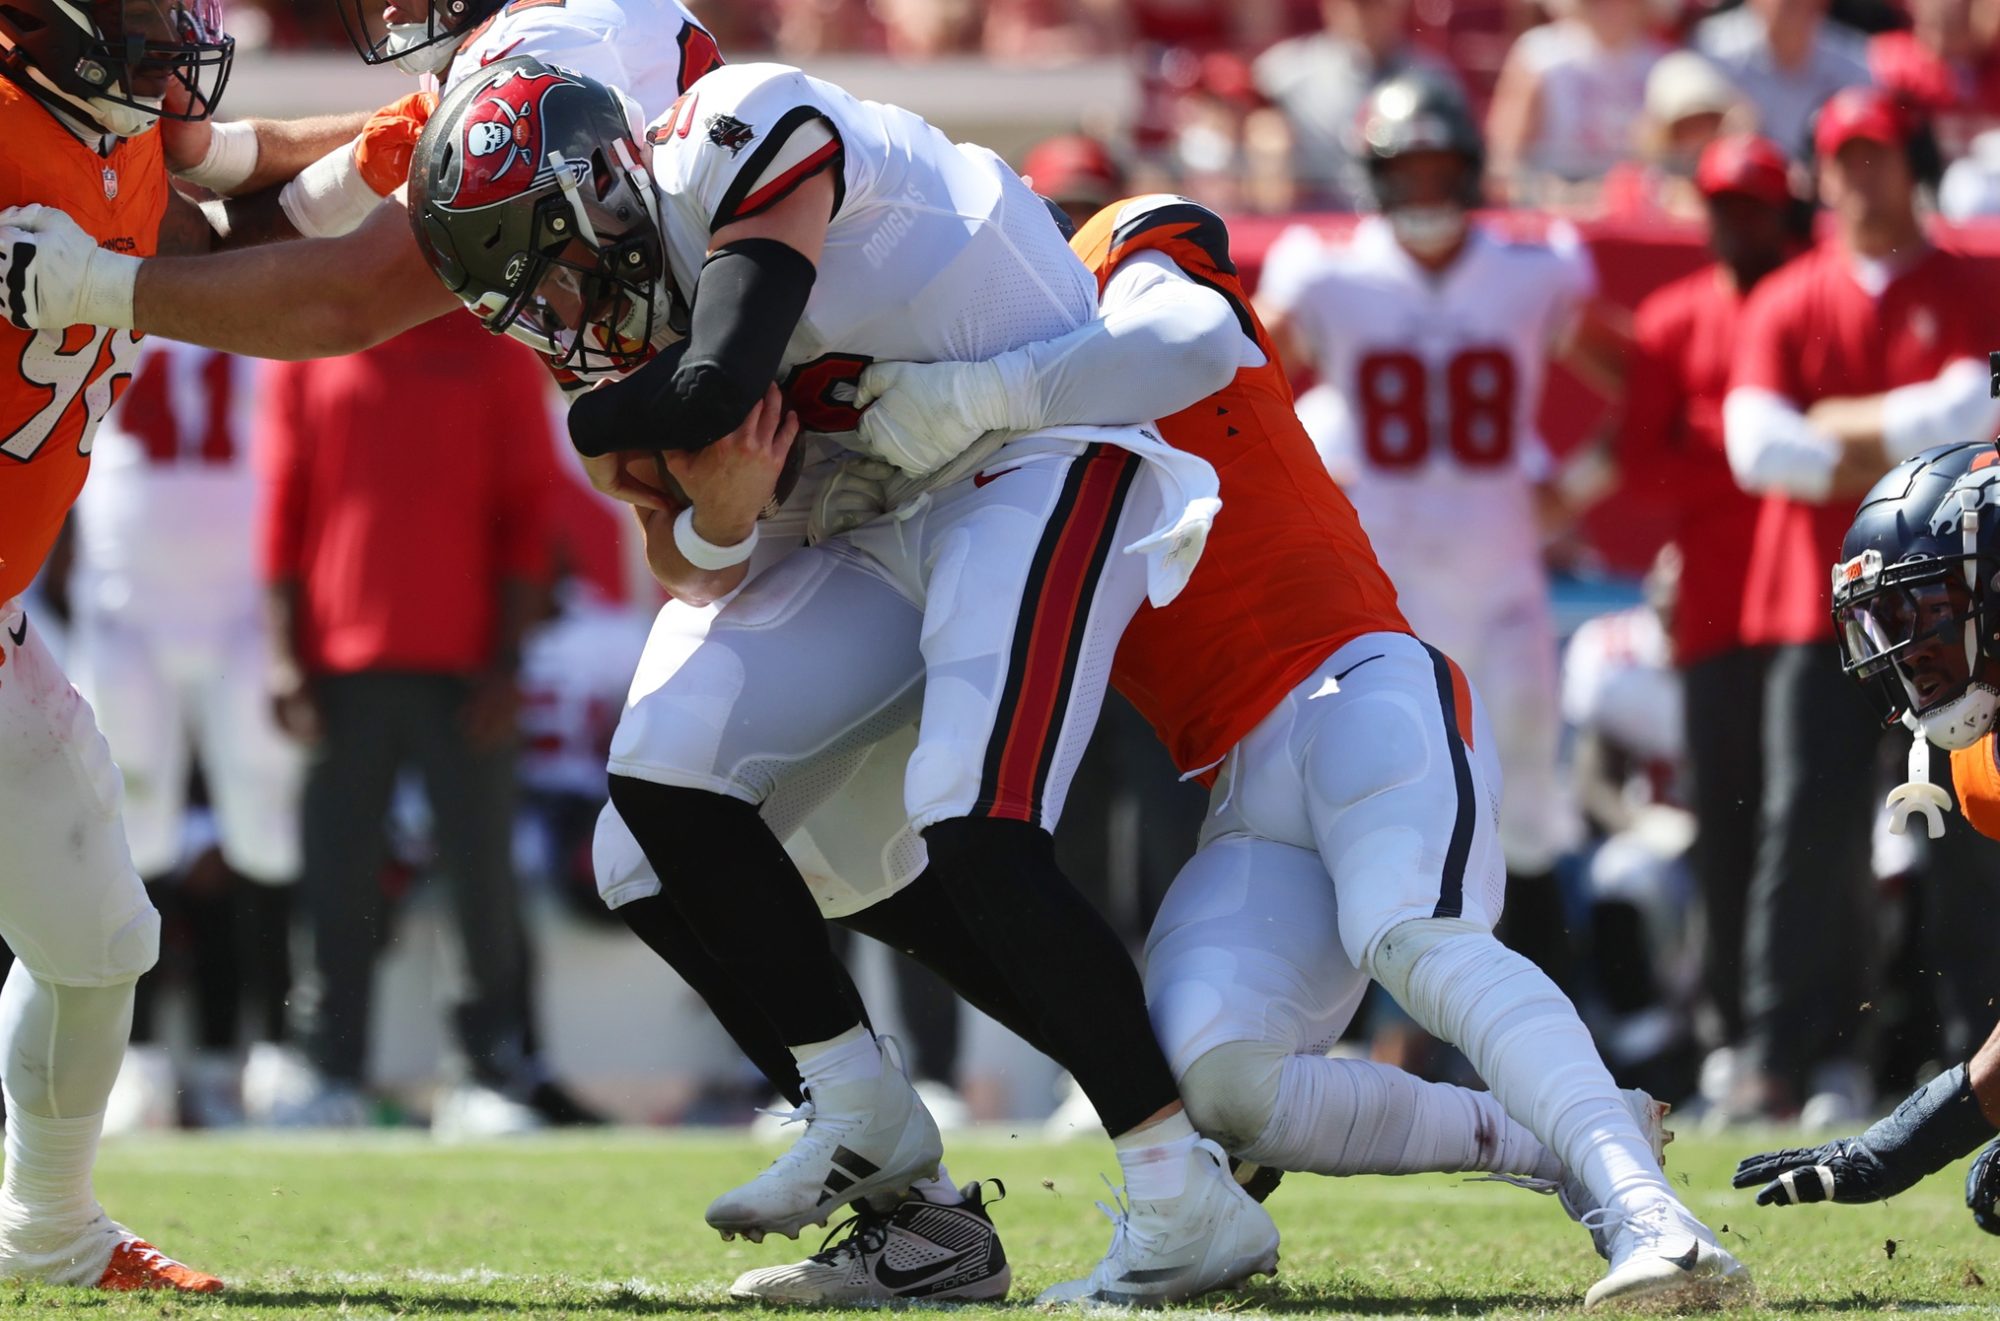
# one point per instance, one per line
(1428, 231)
(1964, 720)
(416, 59)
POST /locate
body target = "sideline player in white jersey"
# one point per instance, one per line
(1431, 336)
(169, 644)
(807, 234)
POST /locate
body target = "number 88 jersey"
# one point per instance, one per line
(55, 386)
(1429, 389)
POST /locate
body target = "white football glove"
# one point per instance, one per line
(53, 275)
(922, 415)
(857, 493)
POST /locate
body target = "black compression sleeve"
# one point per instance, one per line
(748, 300)
(1940, 1122)
(747, 303)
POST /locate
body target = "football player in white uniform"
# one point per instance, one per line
(170, 649)
(1431, 336)
(990, 600)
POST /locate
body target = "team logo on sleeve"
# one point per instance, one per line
(730, 132)
(503, 155)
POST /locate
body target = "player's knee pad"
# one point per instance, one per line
(1232, 1091)
(623, 873)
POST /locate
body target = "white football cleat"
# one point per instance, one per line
(1212, 1236)
(1664, 1254)
(863, 1139)
(470, 1111)
(921, 1249)
(1575, 1195)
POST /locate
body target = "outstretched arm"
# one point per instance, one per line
(1162, 343)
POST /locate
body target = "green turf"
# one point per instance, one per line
(395, 1225)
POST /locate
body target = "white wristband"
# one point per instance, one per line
(230, 160)
(106, 296)
(704, 554)
(330, 197)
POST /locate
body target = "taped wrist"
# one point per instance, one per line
(747, 303)
(1939, 1123)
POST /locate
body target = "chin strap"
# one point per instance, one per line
(1917, 796)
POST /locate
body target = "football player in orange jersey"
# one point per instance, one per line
(81, 88)
(1343, 750)
(1914, 608)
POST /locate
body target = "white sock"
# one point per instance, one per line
(940, 1191)
(1337, 1116)
(852, 1056)
(1523, 1036)
(46, 1186)
(1154, 1158)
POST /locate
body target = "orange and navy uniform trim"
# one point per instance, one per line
(1455, 700)
(1049, 633)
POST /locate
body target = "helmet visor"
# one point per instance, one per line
(170, 57)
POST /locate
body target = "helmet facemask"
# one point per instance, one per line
(1916, 637)
(117, 61)
(593, 289)
(424, 46)
(1427, 194)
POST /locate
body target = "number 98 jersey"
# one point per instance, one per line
(1430, 386)
(55, 386)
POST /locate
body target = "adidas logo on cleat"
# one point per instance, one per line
(848, 1170)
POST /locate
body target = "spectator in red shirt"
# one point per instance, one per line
(1671, 441)
(405, 546)
(1867, 349)
(1947, 63)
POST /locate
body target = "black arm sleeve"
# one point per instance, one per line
(747, 301)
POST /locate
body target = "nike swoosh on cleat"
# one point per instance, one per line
(20, 635)
(1686, 1261)
(892, 1278)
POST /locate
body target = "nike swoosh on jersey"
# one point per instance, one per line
(20, 635)
(895, 1279)
(981, 478)
(500, 54)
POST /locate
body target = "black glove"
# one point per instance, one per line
(1939, 1123)
(1844, 1170)
(1982, 1188)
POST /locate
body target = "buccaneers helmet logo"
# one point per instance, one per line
(503, 155)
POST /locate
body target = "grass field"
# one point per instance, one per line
(610, 1226)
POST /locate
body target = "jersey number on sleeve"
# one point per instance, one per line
(1394, 402)
(149, 413)
(88, 375)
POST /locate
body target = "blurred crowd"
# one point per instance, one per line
(358, 635)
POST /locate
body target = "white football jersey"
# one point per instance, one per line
(651, 50)
(165, 526)
(1432, 383)
(936, 251)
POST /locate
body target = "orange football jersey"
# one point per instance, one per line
(1288, 575)
(56, 385)
(1975, 773)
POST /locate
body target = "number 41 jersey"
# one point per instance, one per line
(1429, 389)
(55, 386)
